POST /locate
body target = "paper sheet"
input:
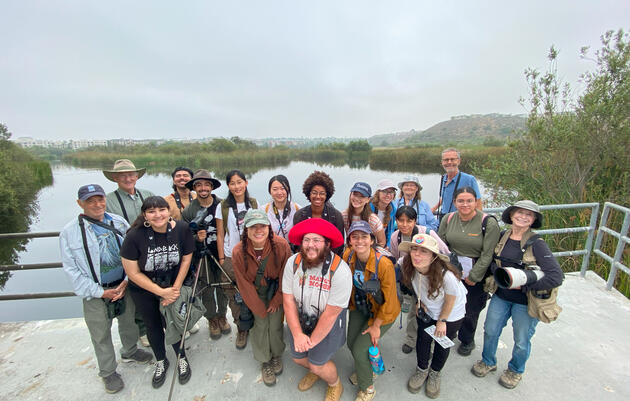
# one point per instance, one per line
(445, 342)
(467, 264)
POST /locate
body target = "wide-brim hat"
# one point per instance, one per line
(123, 166)
(410, 178)
(386, 184)
(316, 226)
(425, 241)
(506, 217)
(202, 174)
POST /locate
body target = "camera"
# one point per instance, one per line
(199, 222)
(164, 280)
(245, 317)
(307, 322)
(362, 304)
(423, 316)
(510, 277)
(115, 308)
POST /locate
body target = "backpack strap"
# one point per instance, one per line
(333, 265)
(225, 209)
(296, 262)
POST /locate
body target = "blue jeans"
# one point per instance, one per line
(523, 326)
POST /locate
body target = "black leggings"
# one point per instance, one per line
(423, 345)
(149, 306)
(476, 301)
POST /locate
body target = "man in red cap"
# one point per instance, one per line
(316, 288)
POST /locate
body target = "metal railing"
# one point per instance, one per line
(622, 241)
(615, 261)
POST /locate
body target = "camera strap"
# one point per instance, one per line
(85, 244)
(285, 213)
(178, 200)
(329, 266)
(443, 188)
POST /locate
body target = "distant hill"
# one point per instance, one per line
(475, 128)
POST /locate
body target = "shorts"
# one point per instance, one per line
(325, 350)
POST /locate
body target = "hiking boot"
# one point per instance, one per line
(354, 379)
(184, 370)
(160, 373)
(417, 380)
(144, 341)
(365, 395)
(215, 330)
(276, 364)
(480, 369)
(307, 381)
(268, 375)
(510, 379)
(466, 349)
(432, 389)
(113, 383)
(241, 340)
(139, 356)
(333, 393)
(224, 326)
(406, 349)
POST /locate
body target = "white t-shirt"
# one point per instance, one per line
(451, 286)
(336, 292)
(233, 234)
(287, 223)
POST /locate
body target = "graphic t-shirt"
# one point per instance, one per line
(234, 227)
(111, 266)
(158, 257)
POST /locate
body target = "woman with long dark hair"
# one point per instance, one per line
(259, 261)
(358, 209)
(281, 209)
(232, 212)
(441, 303)
(472, 235)
(156, 256)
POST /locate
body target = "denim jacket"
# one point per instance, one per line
(74, 260)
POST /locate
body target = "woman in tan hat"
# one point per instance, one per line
(441, 303)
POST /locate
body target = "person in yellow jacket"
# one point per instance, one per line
(374, 303)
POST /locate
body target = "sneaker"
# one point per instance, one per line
(480, 369)
(276, 364)
(241, 340)
(406, 349)
(432, 389)
(510, 379)
(160, 373)
(215, 330)
(466, 349)
(139, 356)
(333, 393)
(184, 370)
(194, 329)
(144, 341)
(224, 326)
(354, 379)
(268, 375)
(113, 383)
(417, 380)
(366, 395)
(307, 381)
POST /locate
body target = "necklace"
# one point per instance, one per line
(464, 224)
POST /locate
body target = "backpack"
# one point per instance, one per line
(333, 265)
(379, 255)
(225, 209)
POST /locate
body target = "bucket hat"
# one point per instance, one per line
(410, 178)
(425, 241)
(386, 184)
(123, 166)
(255, 216)
(202, 174)
(527, 205)
(316, 226)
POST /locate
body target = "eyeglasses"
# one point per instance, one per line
(389, 192)
(314, 241)
(318, 194)
(465, 201)
(454, 159)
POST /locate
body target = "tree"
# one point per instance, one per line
(4, 132)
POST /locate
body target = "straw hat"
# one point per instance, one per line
(123, 166)
(425, 241)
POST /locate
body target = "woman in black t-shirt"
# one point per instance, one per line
(156, 255)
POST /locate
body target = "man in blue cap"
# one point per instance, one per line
(90, 247)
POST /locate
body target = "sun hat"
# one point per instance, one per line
(527, 205)
(90, 190)
(363, 188)
(410, 178)
(315, 226)
(123, 166)
(255, 216)
(425, 241)
(386, 184)
(202, 174)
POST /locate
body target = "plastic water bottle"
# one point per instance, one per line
(376, 360)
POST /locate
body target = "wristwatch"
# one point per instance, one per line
(443, 320)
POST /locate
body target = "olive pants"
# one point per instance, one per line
(266, 337)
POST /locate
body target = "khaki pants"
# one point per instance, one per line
(100, 328)
(266, 337)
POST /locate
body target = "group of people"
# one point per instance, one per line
(337, 277)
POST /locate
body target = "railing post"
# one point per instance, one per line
(589, 239)
(618, 253)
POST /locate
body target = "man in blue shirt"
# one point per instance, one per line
(90, 246)
(451, 181)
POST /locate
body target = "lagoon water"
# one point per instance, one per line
(57, 206)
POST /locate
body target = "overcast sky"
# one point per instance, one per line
(191, 69)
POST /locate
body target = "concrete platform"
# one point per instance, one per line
(585, 355)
